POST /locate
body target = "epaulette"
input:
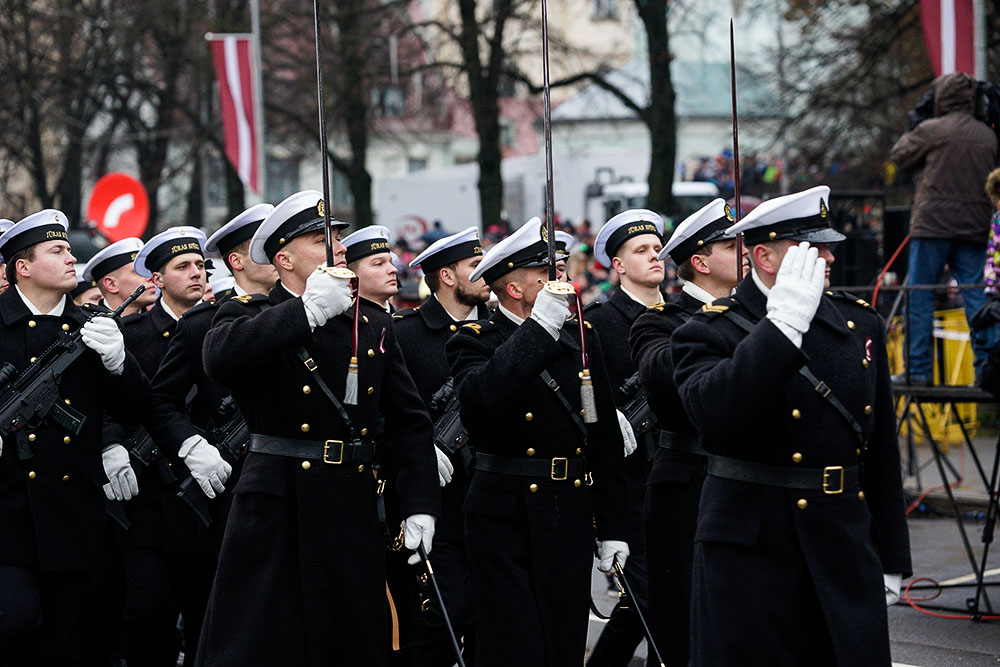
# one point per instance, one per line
(718, 306)
(475, 326)
(201, 307)
(249, 298)
(95, 308)
(847, 297)
(658, 306)
(406, 312)
(585, 322)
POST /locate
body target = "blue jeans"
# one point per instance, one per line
(928, 257)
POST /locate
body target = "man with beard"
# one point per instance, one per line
(796, 553)
(301, 579)
(422, 333)
(169, 559)
(53, 509)
(369, 255)
(628, 244)
(113, 269)
(707, 261)
(538, 405)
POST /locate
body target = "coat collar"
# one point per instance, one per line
(13, 310)
(161, 320)
(626, 305)
(437, 318)
(687, 302)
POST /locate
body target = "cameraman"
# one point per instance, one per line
(949, 223)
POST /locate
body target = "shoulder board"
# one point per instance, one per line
(200, 308)
(592, 306)
(475, 326)
(406, 312)
(574, 320)
(846, 297)
(717, 306)
(94, 308)
(658, 306)
(247, 298)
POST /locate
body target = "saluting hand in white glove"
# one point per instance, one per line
(797, 290)
(551, 311)
(102, 335)
(325, 297)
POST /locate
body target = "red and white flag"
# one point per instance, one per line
(239, 101)
(949, 31)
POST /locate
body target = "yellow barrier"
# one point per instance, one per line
(951, 336)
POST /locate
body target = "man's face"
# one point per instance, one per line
(92, 296)
(825, 252)
(127, 280)
(561, 273)
(470, 293)
(376, 277)
(263, 276)
(53, 266)
(309, 251)
(182, 278)
(637, 260)
(3, 278)
(722, 262)
(530, 280)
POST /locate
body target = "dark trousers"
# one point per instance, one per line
(434, 647)
(41, 616)
(624, 632)
(159, 587)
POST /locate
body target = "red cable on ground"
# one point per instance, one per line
(961, 478)
(881, 276)
(913, 603)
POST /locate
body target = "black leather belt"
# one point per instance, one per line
(557, 469)
(333, 452)
(681, 443)
(831, 480)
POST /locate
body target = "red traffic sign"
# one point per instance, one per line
(119, 206)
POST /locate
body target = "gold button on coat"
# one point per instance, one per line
(371, 352)
(32, 437)
(531, 451)
(65, 478)
(802, 503)
(533, 488)
(32, 324)
(797, 457)
(453, 327)
(32, 475)
(65, 327)
(371, 390)
(868, 409)
(861, 495)
(579, 450)
(577, 483)
(361, 468)
(305, 428)
(66, 440)
(166, 334)
(306, 389)
(306, 465)
(850, 324)
(364, 431)
(864, 362)
(528, 416)
(796, 414)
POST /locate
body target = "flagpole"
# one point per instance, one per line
(979, 38)
(258, 110)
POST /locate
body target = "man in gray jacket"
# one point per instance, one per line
(949, 223)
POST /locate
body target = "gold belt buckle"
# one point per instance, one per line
(831, 470)
(565, 470)
(326, 452)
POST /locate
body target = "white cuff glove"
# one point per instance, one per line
(325, 297)
(102, 335)
(445, 468)
(608, 551)
(893, 584)
(418, 529)
(122, 483)
(627, 435)
(207, 466)
(797, 291)
(551, 311)
(1, 446)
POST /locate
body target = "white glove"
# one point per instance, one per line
(893, 584)
(608, 551)
(325, 297)
(207, 466)
(102, 335)
(627, 435)
(122, 483)
(551, 311)
(445, 468)
(417, 529)
(797, 291)
(1, 446)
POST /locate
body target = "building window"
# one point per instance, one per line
(508, 133)
(605, 9)
(389, 101)
(282, 178)
(416, 164)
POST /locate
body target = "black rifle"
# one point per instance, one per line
(639, 415)
(31, 397)
(450, 435)
(232, 437)
(142, 453)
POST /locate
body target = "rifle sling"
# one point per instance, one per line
(554, 386)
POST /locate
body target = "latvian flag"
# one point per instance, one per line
(234, 69)
(949, 31)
